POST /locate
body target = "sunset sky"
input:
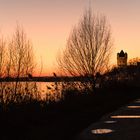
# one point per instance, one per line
(49, 22)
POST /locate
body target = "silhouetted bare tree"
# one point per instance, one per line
(88, 48)
(2, 56)
(17, 60)
(134, 61)
(20, 62)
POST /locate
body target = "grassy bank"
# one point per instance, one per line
(38, 120)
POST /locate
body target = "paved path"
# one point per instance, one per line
(124, 124)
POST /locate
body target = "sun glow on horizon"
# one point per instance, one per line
(49, 23)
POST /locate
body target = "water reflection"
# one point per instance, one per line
(101, 131)
(126, 117)
(50, 90)
(56, 89)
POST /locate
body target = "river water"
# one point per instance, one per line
(39, 90)
(54, 89)
(51, 90)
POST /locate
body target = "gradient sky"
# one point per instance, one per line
(49, 22)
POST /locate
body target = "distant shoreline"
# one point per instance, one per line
(46, 79)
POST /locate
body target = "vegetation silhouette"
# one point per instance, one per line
(32, 118)
(88, 49)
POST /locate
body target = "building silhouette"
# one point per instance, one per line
(122, 59)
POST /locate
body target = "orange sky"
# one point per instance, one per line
(49, 22)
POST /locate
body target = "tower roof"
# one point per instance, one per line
(121, 54)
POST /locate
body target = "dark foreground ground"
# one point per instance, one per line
(63, 120)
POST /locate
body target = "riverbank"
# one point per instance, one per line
(64, 119)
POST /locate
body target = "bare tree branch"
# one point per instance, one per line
(88, 48)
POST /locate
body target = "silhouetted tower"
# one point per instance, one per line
(122, 59)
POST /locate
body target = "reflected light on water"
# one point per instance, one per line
(110, 121)
(126, 117)
(101, 131)
(133, 107)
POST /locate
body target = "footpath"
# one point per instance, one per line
(123, 124)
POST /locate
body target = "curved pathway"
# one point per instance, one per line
(124, 124)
